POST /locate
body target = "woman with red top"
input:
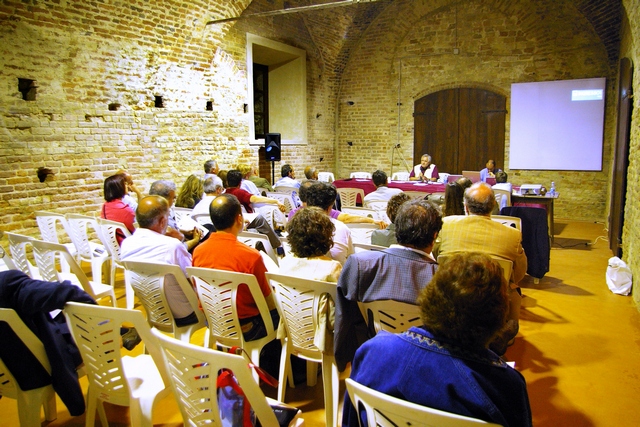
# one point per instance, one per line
(114, 209)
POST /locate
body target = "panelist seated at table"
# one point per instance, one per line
(425, 171)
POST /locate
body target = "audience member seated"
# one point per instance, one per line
(167, 189)
(425, 171)
(397, 273)
(212, 170)
(223, 251)
(501, 182)
(211, 191)
(288, 177)
(149, 244)
(323, 196)
(446, 364)
(249, 201)
(335, 214)
(114, 209)
(310, 235)
(453, 199)
(131, 188)
(382, 193)
(223, 177)
(33, 300)
(311, 173)
(489, 171)
(387, 237)
(246, 184)
(476, 232)
(259, 181)
(190, 193)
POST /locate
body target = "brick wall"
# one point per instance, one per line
(407, 53)
(99, 68)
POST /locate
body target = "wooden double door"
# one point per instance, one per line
(460, 128)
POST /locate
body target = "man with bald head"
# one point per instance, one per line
(476, 232)
(149, 243)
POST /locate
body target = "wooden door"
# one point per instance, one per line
(621, 157)
(460, 128)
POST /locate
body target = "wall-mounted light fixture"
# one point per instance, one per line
(43, 173)
(350, 143)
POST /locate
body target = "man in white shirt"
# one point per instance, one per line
(323, 195)
(148, 243)
(382, 193)
(288, 177)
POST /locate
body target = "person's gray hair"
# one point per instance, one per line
(210, 186)
(162, 188)
(209, 164)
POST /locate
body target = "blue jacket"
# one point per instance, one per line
(415, 367)
(33, 300)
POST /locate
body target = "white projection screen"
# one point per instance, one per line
(557, 125)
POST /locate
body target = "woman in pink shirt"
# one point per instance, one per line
(114, 209)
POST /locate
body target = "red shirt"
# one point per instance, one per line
(223, 251)
(243, 196)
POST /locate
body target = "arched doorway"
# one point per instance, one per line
(460, 128)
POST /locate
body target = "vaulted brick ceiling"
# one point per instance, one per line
(337, 30)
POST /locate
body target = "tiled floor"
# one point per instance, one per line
(578, 347)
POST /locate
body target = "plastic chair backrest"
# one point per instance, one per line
(505, 264)
(47, 223)
(18, 247)
(125, 381)
(45, 254)
(349, 196)
(385, 410)
(326, 177)
(361, 233)
(389, 315)
(108, 231)
(29, 401)
(86, 250)
(400, 176)
(6, 259)
(416, 195)
(193, 373)
(148, 280)
(181, 212)
(202, 218)
(509, 221)
(360, 247)
(251, 239)
(217, 290)
(502, 195)
(360, 175)
(300, 301)
(285, 198)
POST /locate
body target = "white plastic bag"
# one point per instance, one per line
(619, 277)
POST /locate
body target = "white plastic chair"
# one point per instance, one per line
(218, 291)
(349, 196)
(365, 212)
(391, 316)
(18, 247)
(507, 265)
(86, 250)
(108, 232)
(193, 373)
(326, 177)
(129, 381)
(251, 239)
(400, 176)
(509, 221)
(385, 410)
(361, 232)
(6, 260)
(181, 212)
(360, 175)
(502, 195)
(285, 198)
(202, 218)
(45, 254)
(48, 225)
(29, 401)
(380, 209)
(148, 280)
(299, 303)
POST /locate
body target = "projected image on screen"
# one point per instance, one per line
(557, 125)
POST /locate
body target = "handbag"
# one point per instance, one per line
(618, 277)
(235, 410)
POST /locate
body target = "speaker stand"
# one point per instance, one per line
(273, 172)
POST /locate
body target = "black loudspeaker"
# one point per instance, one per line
(272, 147)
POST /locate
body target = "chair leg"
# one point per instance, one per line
(29, 403)
(141, 411)
(312, 373)
(90, 413)
(129, 295)
(49, 404)
(285, 371)
(330, 384)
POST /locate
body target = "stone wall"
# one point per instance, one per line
(100, 69)
(409, 52)
(630, 48)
